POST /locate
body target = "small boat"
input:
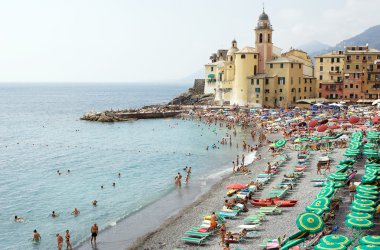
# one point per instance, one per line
(273, 202)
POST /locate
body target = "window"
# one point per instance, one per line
(320, 77)
(257, 90)
(281, 80)
(281, 65)
(261, 38)
(356, 66)
(254, 56)
(271, 65)
(291, 80)
(257, 81)
(310, 89)
(351, 86)
(267, 91)
(266, 99)
(257, 101)
(338, 59)
(332, 59)
(294, 99)
(299, 80)
(242, 56)
(299, 66)
(251, 81)
(337, 69)
(369, 58)
(212, 68)
(280, 98)
(348, 66)
(357, 57)
(299, 90)
(254, 70)
(280, 90)
(321, 59)
(320, 68)
(293, 90)
(258, 95)
(345, 86)
(305, 89)
(357, 86)
(291, 65)
(332, 68)
(266, 81)
(269, 38)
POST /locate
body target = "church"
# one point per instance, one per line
(260, 76)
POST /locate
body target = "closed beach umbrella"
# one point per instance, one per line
(310, 222)
(330, 245)
(359, 223)
(366, 247)
(365, 196)
(354, 119)
(236, 186)
(336, 238)
(325, 192)
(363, 209)
(363, 202)
(359, 215)
(370, 240)
(313, 123)
(322, 128)
(291, 243)
(280, 143)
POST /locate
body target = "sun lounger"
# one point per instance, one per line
(192, 240)
(265, 241)
(228, 215)
(270, 210)
(249, 227)
(197, 234)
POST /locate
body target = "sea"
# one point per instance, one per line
(41, 134)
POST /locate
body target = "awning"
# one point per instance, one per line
(211, 75)
(365, 101)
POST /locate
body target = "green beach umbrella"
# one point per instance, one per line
(338, 176)
(298, 140)
(364, 196)
(310, 222)
(280, 143)
(336, 238)
(320, 203)
(317, 211)
(315, 139)
(359, 223)
(368, 178)
(367, 247)
(362, 209)
(347, 161)
(330, 245)
(334, 184)
(366, 191)
(359, 215)
(342, 168)
(370, 187)
(325, 192)
(371, 171)
(370, 240)
(363, 202)
(292, 243)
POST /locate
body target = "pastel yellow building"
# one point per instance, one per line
(260, 76)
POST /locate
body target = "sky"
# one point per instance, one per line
(137, 41)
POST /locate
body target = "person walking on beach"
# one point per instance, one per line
(36, 236)
(94, 233)
(222, 231)
(179, 178)
(59, 241)
(213, 221)
(352, 190)
(68, 243)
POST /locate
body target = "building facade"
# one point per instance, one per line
(350, 75)
(260, 76)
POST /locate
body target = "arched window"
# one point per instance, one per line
(269, 38)
(254, 70)
(261, 38)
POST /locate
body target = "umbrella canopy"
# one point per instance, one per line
(366, 191)
(291, 243)
(370, 187)
(365, 196)
(280, 143)
(333, 184)
(359, 223)
(317, 211)
(330, 245)
(313, 123)
(363, 209)
(338, 176)
(310, 222)
(322, 128)
(334, 127)
(366, 247)
(359, 215)
(336, 238)
(370, 240)
(354, 119)
(236, 186)
(321, 203)
(363, 202)
(325, 192)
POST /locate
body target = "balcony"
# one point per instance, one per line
(334, 72)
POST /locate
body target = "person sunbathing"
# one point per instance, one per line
(235, 236)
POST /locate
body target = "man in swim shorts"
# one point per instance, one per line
(94, 232)
(36, 236)
(59, 241)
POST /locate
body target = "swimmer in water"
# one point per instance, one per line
(75, 212)
(18, 219)
(101, 186)
(68, 171)
(119, 175)
(94, 203)
(113, 184)
(36, 236)
(53, 214)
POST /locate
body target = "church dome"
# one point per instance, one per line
(232, 51)
(263, 16)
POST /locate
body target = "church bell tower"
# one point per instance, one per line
(263, 43)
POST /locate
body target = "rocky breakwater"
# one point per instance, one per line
(194, 95)
(131, 114)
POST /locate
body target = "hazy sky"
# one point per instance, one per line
(155, 40)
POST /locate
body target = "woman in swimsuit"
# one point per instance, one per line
(67, 237)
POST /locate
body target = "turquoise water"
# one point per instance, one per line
(41, 133)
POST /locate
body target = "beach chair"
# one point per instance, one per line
(249, 227)
(196, 234)
(265, 241)
(228, 215)
(272, 210)
(192, 240)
